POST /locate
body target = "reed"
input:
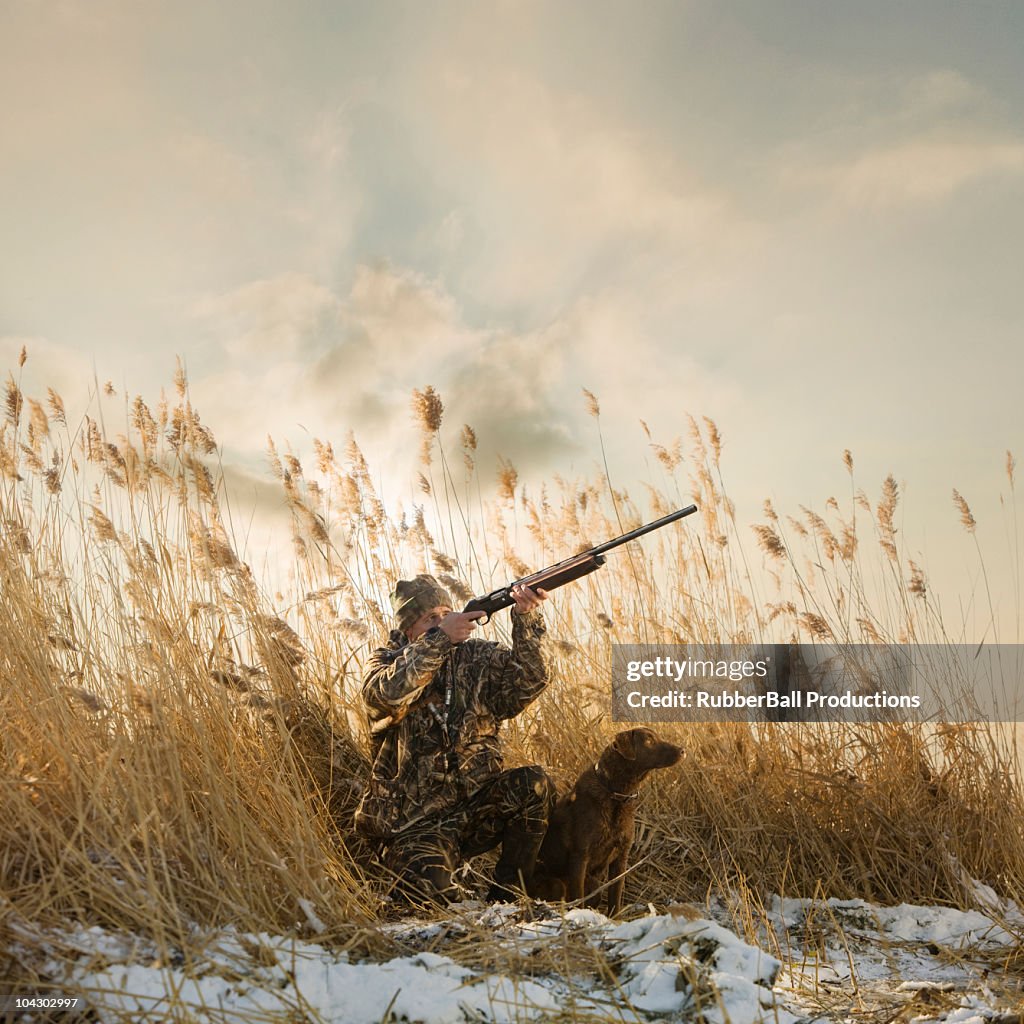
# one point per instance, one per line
(181, 746)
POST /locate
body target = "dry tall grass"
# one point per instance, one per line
(180, 748)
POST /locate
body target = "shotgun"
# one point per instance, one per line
(568, 569)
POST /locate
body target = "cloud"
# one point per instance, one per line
(291, 346)
(212, 169)
(941, 92)
(323, 205)
(252, 491)
(511, 391)
(298, 359)
(924, 171)
(50, 365)
(280, 318)
(404, 315)
(291, 357)
(915, 172)
(556, 195)
(915, 143)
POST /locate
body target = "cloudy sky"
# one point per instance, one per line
(803, 219)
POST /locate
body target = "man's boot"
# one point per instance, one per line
(519, 849)
(426, 883)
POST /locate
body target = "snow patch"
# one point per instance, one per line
(657, 967)
(664, 965)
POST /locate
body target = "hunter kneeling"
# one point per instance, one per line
(438, 794)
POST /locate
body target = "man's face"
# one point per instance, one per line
(427, 621)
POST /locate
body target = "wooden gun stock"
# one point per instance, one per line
(547, 579)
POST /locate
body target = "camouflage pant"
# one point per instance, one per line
(512, 809)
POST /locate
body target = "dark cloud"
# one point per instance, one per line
(253, 492)
(513, 392)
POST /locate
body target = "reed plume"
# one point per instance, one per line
(967, 520)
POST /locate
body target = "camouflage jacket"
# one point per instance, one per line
(431, 755)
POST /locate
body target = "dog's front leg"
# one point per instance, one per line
(617, 870)
(577, 876)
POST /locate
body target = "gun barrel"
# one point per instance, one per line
(646, 528)
(569, 569)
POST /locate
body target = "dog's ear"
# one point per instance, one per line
(625, 744)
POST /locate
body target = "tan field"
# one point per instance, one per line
(180, 745)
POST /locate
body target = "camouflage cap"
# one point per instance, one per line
(414, 597)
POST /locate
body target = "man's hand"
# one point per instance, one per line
(458, 625)
(527, 600)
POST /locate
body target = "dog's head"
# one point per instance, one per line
(645, 750)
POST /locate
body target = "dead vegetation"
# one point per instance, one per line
(178, 746)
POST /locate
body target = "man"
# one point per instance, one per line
(438, 794)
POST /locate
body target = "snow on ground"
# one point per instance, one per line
(834, 960)
(842, 957)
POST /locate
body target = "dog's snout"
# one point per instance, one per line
(669, 754)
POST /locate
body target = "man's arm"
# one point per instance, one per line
(395, 678)
(516, 677)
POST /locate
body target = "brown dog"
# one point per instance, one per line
(591, 830)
